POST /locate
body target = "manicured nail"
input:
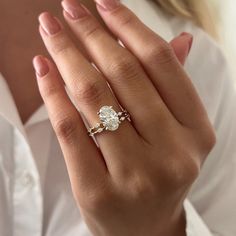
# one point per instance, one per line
(108, 4)
(74, 9)
(41, 66)
(49, 23)
(189, 39)
(190, 43)
(184, 33)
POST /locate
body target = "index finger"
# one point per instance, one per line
(84, 162)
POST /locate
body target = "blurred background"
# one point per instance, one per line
(227, 27)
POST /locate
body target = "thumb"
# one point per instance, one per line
(182, 45)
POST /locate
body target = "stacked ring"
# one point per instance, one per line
(109, 120)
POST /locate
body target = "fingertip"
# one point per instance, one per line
(43, 15)
(66, 15)
(40, 65)
(185, 33)
(50, 23)
(182, 46)
(188, 38)
(42, 32)
(105, 5)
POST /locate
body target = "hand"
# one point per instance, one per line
(136, 181)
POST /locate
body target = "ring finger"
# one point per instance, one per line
(88, 87)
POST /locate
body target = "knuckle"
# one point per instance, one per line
(49, 90)
(125, 18)
(181, 170)
(92, 195)
(60, 45)
(209, 139)
(65, 128)
(190, 171)
(91, 92)
(92, 32)
(159, 52)
(206, 138)
(98, 200)
(142, 186)
(124, 66)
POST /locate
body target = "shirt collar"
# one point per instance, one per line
(9, 112)
(39, 115)
(8, 108)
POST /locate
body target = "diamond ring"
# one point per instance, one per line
(109, 120)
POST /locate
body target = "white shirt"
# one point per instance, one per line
(35, 193)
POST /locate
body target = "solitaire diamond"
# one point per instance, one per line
(109, 118)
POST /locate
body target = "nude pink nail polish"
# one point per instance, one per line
(108, 4)
(41, 66)
(189, 38)
(49, 23)
(74, 9)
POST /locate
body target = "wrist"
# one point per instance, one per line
(173, 226)
(176, 226)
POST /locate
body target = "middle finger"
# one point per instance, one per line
(123, 71)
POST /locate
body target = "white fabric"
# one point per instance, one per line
(35, 194)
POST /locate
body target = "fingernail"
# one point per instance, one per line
(190, 43)
(49, 23)
(74, 9)
(189, 39)
(108, 4)
(41, 66)
(184, 33)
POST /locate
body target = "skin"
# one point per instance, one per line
(15, 49)
(110, 196)
(134, 185)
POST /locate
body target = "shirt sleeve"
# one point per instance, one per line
(211, 206)
(194, 223)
